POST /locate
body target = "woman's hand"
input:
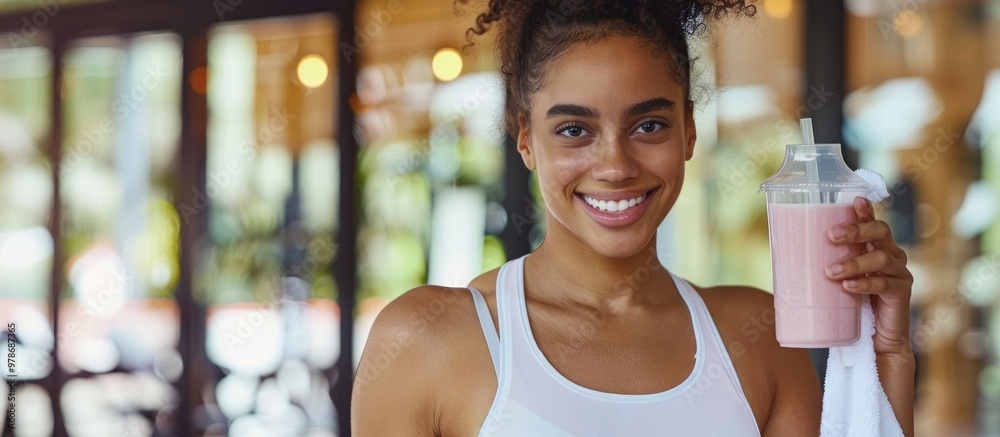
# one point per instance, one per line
(880, 272)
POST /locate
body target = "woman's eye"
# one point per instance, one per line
(650, 127)
(572, 131)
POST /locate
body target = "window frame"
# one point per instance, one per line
(191, 21)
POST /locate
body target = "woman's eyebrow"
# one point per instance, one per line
(572, 110)
(647, 106)
(650, 105)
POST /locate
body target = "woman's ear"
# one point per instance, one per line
(523, 145)
(690, 131)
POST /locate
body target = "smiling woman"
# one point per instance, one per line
(598, 97)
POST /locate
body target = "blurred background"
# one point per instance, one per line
(204, 204)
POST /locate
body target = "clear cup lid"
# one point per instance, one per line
(819, 167)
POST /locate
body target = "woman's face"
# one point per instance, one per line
(609, 133)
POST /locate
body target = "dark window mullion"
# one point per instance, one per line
(56, 379)
(345, 264)
(191, 178)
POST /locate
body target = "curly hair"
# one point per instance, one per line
(533, 32)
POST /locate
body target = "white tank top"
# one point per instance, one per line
(534, 399)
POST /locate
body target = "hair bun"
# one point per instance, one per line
(689, 15)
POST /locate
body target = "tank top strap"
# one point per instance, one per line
(507, 322)
(489, 330)
(715, 348)
(507, 310)
(701, 319)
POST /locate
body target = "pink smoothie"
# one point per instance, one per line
(811, 311)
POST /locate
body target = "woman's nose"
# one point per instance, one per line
(615, 160)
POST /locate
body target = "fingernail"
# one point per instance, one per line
(834, 270)
(838, 233)
(850, 283)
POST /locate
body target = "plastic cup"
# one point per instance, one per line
(810, 194)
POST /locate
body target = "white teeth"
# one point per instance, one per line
(613, 205)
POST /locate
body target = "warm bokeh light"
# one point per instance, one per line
(447, 64)
(778, 8)
(198, 79)
(313, 71)
(907, 24)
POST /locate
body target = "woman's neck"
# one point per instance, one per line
(566, 270)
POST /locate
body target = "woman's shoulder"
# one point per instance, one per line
(423, 316)
(437, 308)
(422, 345)
(420, 337)
(738, 300)
(744, 317)
(438, 323)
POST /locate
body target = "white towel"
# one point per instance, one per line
(854, 402)
(877, 191)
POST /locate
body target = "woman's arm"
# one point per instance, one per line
(797, 399)
(896, 372)
(392, 394)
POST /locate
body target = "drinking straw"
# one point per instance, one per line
(806, 125)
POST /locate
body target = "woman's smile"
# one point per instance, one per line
(615, 209)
